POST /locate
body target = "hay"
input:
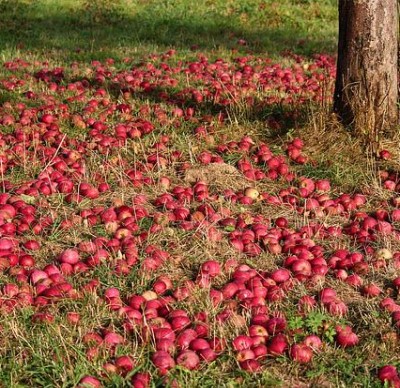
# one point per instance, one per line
(219, 176)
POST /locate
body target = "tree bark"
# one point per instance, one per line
(366, 90)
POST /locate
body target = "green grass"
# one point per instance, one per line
(84, 30)
(348, 177)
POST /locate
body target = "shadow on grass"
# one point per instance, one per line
(68, 32)
(87, 34)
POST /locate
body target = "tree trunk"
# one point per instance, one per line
(366, 90)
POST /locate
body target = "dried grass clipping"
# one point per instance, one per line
(218, 176)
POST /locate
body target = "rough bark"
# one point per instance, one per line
(366, 90)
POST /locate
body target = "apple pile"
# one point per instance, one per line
(95, 153)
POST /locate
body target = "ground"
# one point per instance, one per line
(179, 207)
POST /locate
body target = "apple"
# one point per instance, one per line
(301, 353)
(188, 359)
(242, 342)
(163, 361)
(89, 382)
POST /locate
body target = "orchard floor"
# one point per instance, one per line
(179, 207)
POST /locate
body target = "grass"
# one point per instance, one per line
(139, 35)
(85, 30)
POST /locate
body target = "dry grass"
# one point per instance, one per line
(218, 176)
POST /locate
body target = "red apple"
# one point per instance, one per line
(188, 359)
(301, 353)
